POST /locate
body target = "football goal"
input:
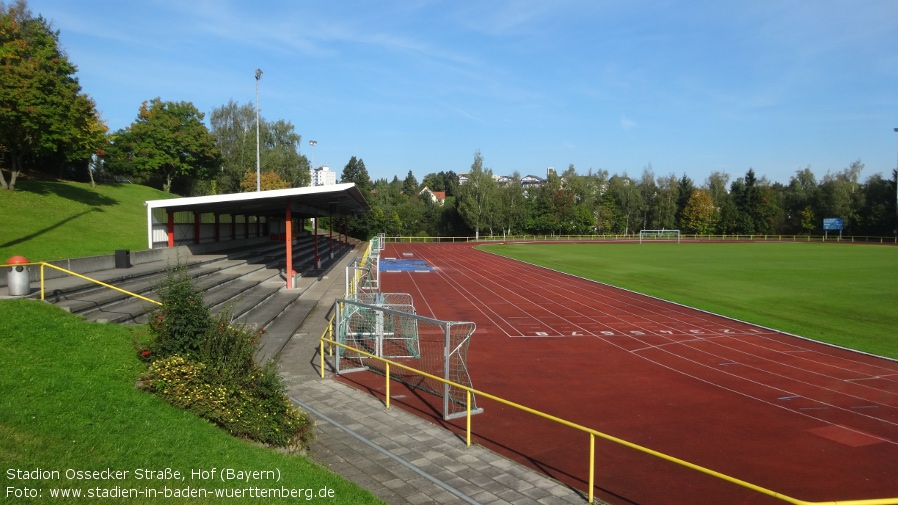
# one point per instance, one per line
(659, 236)
(391, 330)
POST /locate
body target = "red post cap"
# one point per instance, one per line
(17, 260)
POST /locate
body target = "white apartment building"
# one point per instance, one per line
(322, 176)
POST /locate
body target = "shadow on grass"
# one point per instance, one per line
(68, 191)
(38, 233)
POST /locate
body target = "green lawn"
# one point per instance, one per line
(46, 220)
(838, 293)
(68, 402)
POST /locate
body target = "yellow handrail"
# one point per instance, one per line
(592, 434)
(69, 272)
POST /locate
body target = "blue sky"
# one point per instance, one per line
(686, 87)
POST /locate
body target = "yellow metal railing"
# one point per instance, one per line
(327, 337)
(43, 264)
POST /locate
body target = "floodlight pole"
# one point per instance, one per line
(258, 157)
(313, 143)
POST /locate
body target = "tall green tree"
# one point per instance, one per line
(668, 200)
(841, 195)
(167, 140)
(410, 185)
(476, 196)
(233, 126)
(44, 116)
(355, 172)
(800, 199)
(625, 200)
(280, 153)
(512, 205)
(365, 226)
(685, 186)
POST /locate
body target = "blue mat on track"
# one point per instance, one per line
(404, 265)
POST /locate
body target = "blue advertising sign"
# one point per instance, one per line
(832, 223)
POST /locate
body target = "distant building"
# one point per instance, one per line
(437, 197)
(322, 176)
(530, 181)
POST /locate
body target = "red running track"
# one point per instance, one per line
(808, 420)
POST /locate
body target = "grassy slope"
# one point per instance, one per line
(46, 221)
(67, 400)
(837, 293)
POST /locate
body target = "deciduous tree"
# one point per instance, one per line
(699, 215)
(43, 113)
(168, 139)
(475, 197)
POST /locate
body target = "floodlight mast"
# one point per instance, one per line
(258, 157)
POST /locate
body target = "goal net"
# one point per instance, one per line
(659, 236)
(393, 331)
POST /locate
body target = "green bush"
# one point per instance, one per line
(206, 364)
(181, 323)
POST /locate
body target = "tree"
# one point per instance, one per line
(622, 204)
(363, 226)
(355, 172)
(685, 187)
(841, 195)
(279, 153)
(800, 198)
(699, 215)
(268, 180)
(234, 129)
(648, 194)
(168, 140)
(43, 114)
(756, 205)
(669, 195)
(475, 197)
(410, 185)
(512, 205)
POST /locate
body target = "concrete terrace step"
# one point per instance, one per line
(244, 278)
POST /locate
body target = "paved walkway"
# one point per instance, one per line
(399, 457)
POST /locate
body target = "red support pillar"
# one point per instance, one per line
(315, 241)
(217, 227)
(171, 229)
(289, 226)
(196, 227)
(330, 245)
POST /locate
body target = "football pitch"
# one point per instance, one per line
(841, 294)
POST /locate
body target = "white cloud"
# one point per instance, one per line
(627, 123)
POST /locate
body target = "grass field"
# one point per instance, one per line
(837, 293)
(68, 401)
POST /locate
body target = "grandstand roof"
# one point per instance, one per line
(314, 201)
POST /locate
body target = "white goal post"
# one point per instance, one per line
(659, 235)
